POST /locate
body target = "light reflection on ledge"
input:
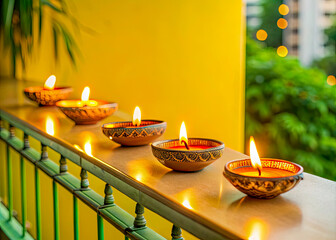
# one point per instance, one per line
(186, 203)
(256, 229)
(88, 148)
(50, 124)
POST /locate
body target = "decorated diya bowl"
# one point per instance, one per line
(47, 97)
(202, 153)
(277, 177)
(126, 134)
(84, 115)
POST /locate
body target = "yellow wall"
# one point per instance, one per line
(176, 59)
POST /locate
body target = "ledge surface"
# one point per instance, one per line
(306, 212)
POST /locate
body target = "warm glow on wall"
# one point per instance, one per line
(282, 23)
(331, 80)
(283, 9)
(282, 51)
(261, 35)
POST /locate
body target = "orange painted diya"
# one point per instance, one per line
(49, 94)
(187, 154)
(134, 133)
(87, 111)
(263, 178)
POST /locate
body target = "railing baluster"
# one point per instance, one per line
(63, 169)
(63, 165)
(84, 179)
(44, 152)
(100, 224)
(56, 212)
(139, 220)
(75, 213)
(10, 175)
(44, 155)
(176, 233)
(38, 204)
(109, 199)
(23, 185)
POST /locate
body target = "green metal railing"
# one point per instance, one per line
(105, 208)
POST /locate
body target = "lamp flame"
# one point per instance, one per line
(184, 136)
(183, 133)
(50, 82)
(137, 116)
(86, 94)
(50, 126)
(255, 160)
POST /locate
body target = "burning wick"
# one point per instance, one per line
(255, 160)
(184, 136)
(85, 96)
(137, 116)
(185, 144)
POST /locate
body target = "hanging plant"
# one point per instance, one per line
(16, 23)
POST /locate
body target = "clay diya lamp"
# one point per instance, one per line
(263, 178)
(187, 155)
(86, 111)
(134, 133)
(49, 94)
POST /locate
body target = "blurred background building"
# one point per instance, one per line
(307, 20)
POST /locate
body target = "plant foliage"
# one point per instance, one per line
(269, 17)
(291, 110)
(17, 26)
(328, 63)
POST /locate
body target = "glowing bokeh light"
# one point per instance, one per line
(283, 9)
(282, 23)
(331, 80)
(261, 35)
(282, 51)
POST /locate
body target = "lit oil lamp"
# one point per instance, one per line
(187, 155)
(134, 133)
(49, 94)
(262, 178)
(86, 111)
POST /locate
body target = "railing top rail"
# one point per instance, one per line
(202, 200)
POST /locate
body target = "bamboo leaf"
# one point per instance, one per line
(52, 6)
(40, 20)
(8, 15)
(55, 37)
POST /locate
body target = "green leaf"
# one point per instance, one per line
(52, 6)
(55, 37)
(8, 15)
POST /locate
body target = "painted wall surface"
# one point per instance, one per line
(179, 60)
